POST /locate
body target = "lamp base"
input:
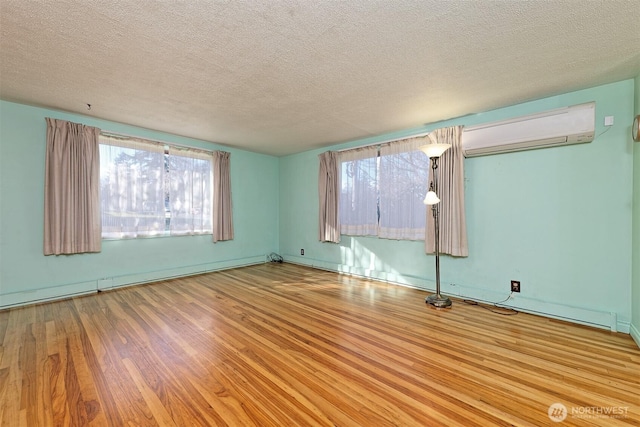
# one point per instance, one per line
(438, 301)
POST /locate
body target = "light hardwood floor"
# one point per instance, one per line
(284, 345)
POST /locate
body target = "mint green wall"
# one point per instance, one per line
(27, 275)
(635, 323)
(531, 216)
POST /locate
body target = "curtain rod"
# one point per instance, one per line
(173, 144)
(385, 141)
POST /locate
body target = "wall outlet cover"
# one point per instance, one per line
(515, 286)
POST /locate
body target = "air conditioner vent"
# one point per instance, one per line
(562, 126)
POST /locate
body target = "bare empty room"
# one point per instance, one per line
(291, 213)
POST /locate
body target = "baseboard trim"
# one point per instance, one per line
(36, 296)
(580, 315)
(635, 334)
(107, 283)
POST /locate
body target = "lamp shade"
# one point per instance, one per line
(431, 199)
(434, 150)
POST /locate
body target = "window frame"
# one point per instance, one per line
(422, 172)
(168, 150)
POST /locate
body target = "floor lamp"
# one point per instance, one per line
(434, 151)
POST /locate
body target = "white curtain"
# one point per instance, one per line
(359, 192)
(453, 228)
(132, 188)
(190, 191)
(328, 191)
(404, 174)
(71, 189)
(222, 210)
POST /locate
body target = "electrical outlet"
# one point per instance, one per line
(515, 286)
(301, 251)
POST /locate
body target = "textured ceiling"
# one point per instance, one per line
(284, 76)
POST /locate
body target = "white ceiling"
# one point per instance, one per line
(285, 76)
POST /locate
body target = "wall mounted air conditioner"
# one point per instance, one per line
(562, 126)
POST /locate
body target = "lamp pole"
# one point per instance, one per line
(436, 299)
(434, 151)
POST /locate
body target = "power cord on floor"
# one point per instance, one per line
(495, 307)
(274, 257)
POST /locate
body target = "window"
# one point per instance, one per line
(359, 192)
(382, 189)
(151, 189)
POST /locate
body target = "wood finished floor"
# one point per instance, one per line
(284, 345)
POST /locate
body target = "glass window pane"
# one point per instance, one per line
(190, 194)
(132, 196)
